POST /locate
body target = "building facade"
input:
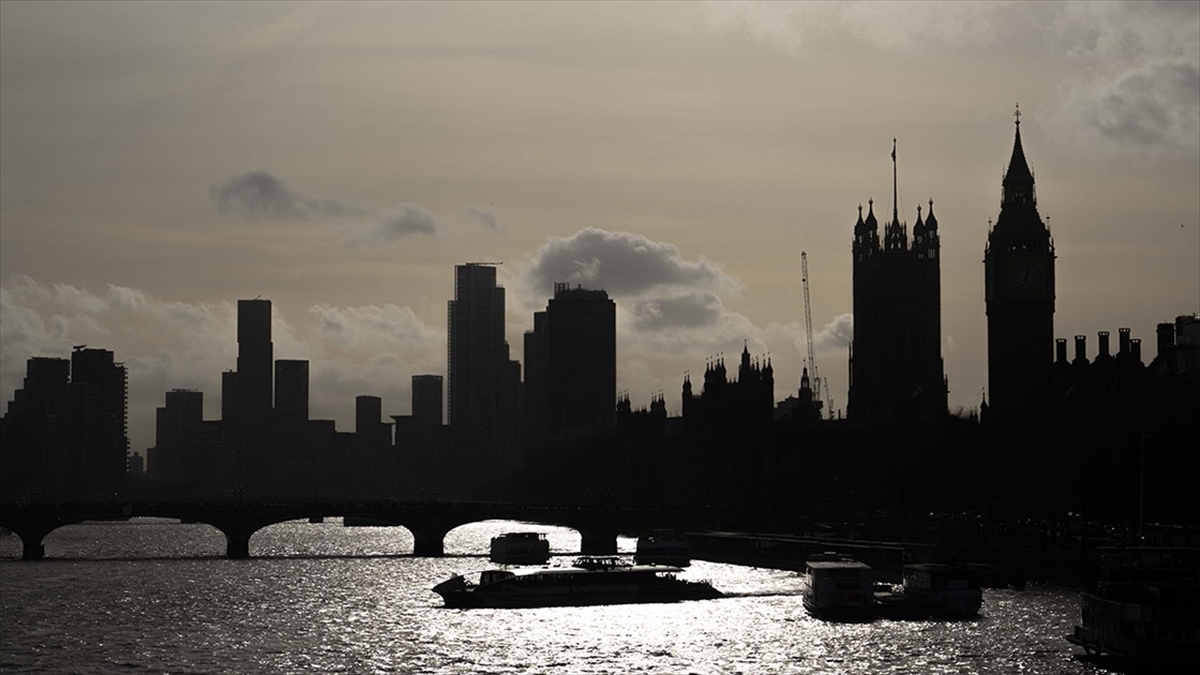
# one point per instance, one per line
(896, 371)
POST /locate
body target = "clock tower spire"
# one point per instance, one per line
(1019, 289)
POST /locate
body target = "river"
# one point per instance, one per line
(157, 596)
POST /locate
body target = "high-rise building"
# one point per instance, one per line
(896, 370)
(427, 401)
(171, 462)
(33, 440)
(98, 413)
(369, 427)
(255, 360)
(1019, 289)
(571, 362)
(483, 390)
(291, 389)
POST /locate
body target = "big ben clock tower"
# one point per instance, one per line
(1019, 289)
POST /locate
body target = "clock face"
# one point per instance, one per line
(1027, 276)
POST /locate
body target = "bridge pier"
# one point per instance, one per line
(32, 547)
(237, 544)
(429, 543)
(598, 542)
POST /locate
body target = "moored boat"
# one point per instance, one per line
(943, 591)
(589, 581)
(663, 547)
(520, 548)
(838, 588)
(1145, 610)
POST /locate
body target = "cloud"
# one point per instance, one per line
(261, 195)
(487, 219)
(1142, 94)
(692, 310)
(624, 264)
(1135, 87)
(793, 27)
(837, 334)
(1153, 107)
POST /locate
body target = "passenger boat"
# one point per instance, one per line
(663, 547)
(520, 548)
(838, 588)
(589, 581)
(1145, 610)
(931, 590)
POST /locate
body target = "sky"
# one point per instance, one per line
(159, 161)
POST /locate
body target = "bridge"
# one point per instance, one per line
(428, 521)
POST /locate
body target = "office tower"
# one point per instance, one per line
(571, 362)
(1019, 290)
(97, 408)
(896, 370)
(229, 399)
(183, 411)
(33, 442)
(427, 401)
(369, 428)
(291, 389)
(255, 358)
(483, 383)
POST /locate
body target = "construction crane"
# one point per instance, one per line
(812, 361)
(829, 393)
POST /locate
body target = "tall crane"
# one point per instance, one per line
(812, 361)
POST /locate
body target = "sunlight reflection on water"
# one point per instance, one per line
(158, 596)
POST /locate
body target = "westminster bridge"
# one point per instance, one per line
(428, 521)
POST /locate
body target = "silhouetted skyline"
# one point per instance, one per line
(152, 176)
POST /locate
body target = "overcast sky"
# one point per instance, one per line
(160, 161)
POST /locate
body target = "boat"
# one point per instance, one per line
(520, 548)
(931, 590)
(1145, 610)
(663, 547)
(838, 588)
(590, 580)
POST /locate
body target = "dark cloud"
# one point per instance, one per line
(400, 220)
(694, 310)
(622, 264)
(487, 219)
(1156, 106)
(262, 195)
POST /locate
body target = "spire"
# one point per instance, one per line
(1018, 180)
(871, 222)
(895, 192)
(860, 220)
(930, 221)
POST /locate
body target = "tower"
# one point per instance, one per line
(255, 359)
(896, 370)
(482, 385)
(98, 414)
(571, 362)
(291, 389)
(1019, 290)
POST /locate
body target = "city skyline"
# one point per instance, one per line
(182, 157)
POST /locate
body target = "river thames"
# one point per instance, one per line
(157, 596)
